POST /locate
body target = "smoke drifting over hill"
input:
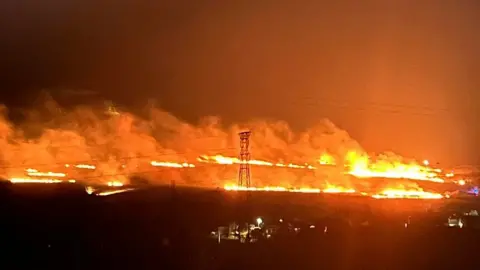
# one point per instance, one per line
(122, 145)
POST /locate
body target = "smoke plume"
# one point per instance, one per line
(122, 145)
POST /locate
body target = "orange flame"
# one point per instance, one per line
(338, 189)
(385, 194)
(356, 164)
(219, 159)
(361, 167)
(33, 172)
(113, 192)
(171, 164)
(82, 166)
(410, 194)
(19, 180)
(115, 184)
(329, 189)
(326, 159)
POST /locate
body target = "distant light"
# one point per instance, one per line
(426, 162)
(259, 221)
(461, 182)
(280, 220)
(312, 226)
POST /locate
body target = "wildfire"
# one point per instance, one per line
(45, 178)
(90, 190)
(219, 159)
(171, 164)
(115, 184)
(362, 167)
(326, 159)
(338, 189)
(113, 192)
(82, 166)
(410, 194)
(354, 163)
(240, 188)
(33, 172)
(385, 194)
(17, 180)
(329, 189)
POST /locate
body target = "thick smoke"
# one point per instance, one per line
(122, 146)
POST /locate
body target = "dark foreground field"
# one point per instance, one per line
(61, 227)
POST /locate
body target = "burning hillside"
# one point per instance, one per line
(57, 145)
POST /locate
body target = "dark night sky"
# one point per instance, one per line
(398, 75)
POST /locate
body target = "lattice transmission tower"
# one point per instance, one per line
(244, 170)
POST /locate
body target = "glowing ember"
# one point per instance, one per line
(305, 190)
(335, 189)
(46, 174)
(85, 166)
(89, 190)
(171, 164)
(385, 194)
(113, 192)
(407, 194)
(239, 188)
(331, 189)
(219, 159)
(34, 172)
(114, 184)
(19, 180)
(34, 181)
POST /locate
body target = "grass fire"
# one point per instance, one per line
(91, 147)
